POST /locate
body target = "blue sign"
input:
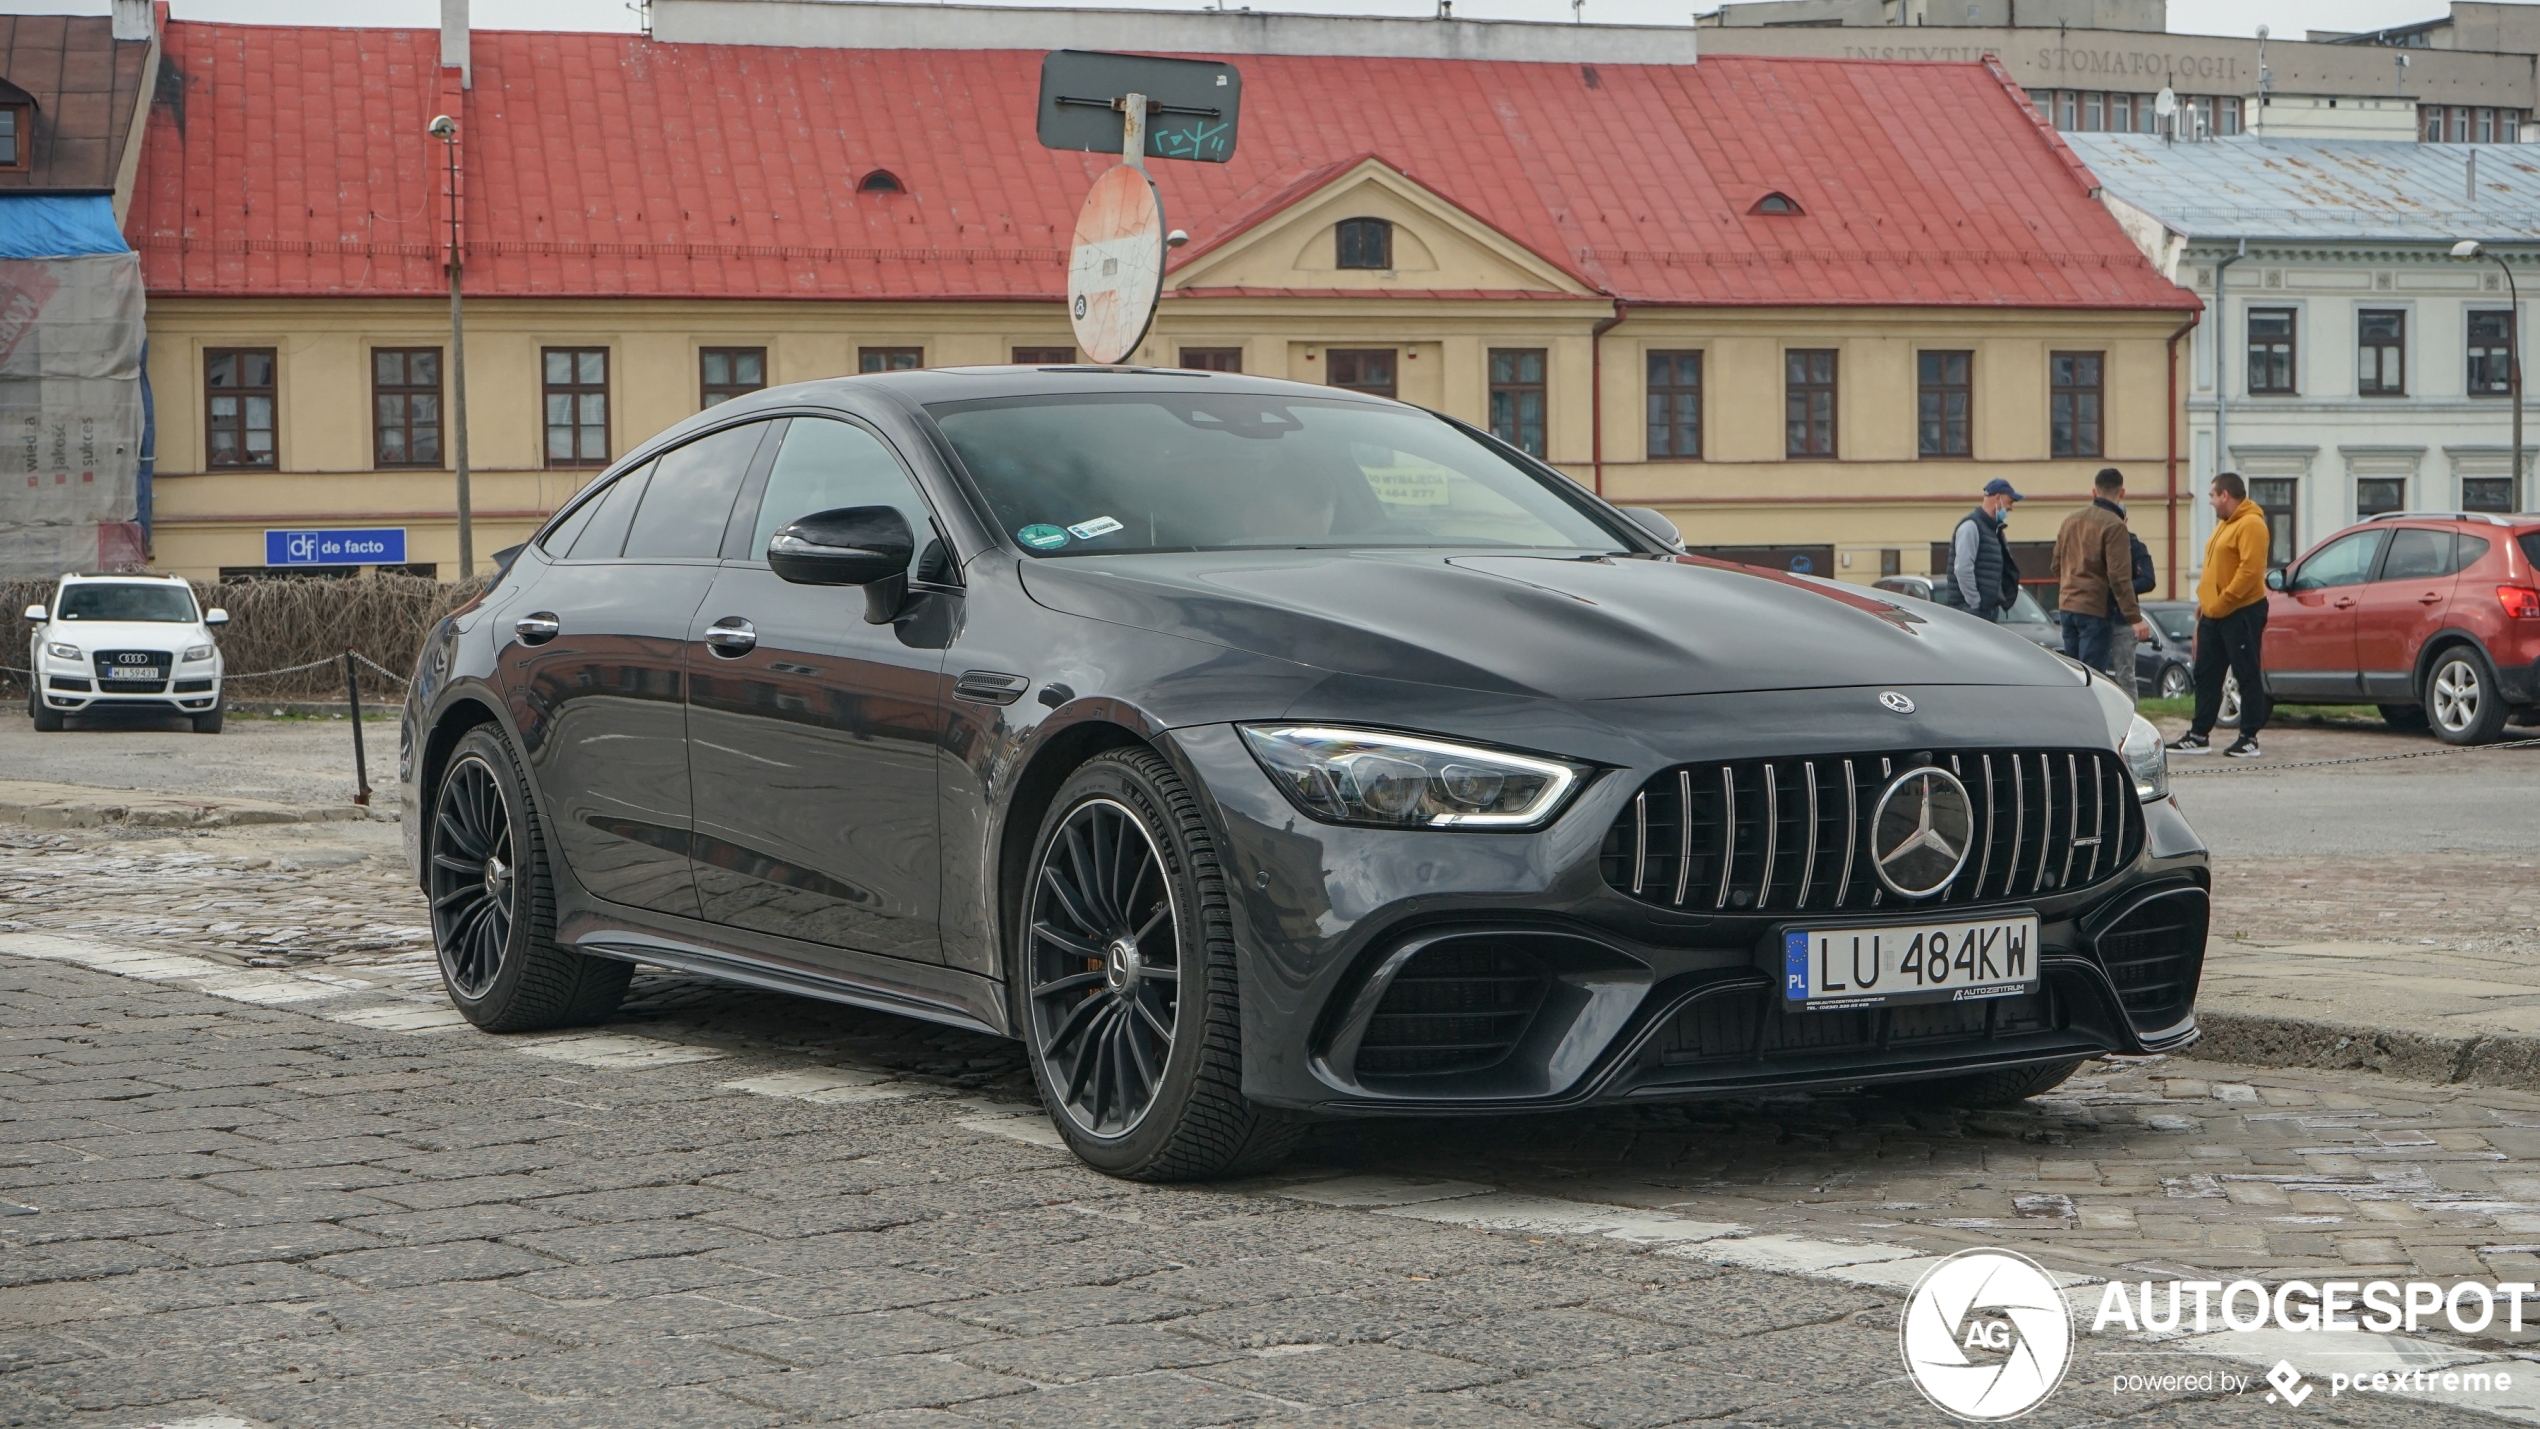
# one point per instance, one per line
(383, 547)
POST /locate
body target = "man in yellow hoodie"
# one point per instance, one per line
(2231, 620)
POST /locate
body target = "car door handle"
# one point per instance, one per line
(537, 627)
(2430, 597)
(2345, 602)
(731, 637)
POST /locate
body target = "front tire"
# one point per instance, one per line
(46, 720)
(2176, 683)
(2462, 698)
(2227, 713)
(209, 721)
(1992, 1089)
(494, 906)
(1128, 989)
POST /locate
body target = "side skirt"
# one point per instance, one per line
(920, 990)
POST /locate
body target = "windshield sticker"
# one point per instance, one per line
(1099, 526)
(1042, 538)
(1409, 481)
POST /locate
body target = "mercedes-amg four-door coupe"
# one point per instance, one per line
(1257, 751)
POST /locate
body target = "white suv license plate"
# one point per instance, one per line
(132, 672)
(1836, 969)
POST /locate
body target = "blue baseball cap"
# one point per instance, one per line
(1998, 487)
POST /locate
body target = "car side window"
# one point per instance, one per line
(2417, 554)
(2473, 549)
(826, 464)
(604, 536)
(2344, 561)
(558, 542)
(690, 495)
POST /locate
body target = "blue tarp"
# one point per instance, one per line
(53, 226)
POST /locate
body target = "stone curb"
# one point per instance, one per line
(73, 806)
(2267, 1041)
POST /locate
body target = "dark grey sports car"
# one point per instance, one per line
(1255, 750)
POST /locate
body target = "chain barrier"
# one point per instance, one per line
(2254, 767)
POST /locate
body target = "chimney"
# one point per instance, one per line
(132, 19)
(454, 41)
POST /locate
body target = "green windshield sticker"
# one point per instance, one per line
(1042, 538)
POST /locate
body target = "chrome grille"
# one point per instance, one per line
(164, 661)
(1793, 835)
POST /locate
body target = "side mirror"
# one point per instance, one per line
(1656, 523)
(869, 546)
(2275, 579)
(35, 614)
(216, 616)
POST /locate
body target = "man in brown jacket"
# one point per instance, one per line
(2094, 573)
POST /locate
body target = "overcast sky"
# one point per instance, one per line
(2288, 18)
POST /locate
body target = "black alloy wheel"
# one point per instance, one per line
(473, 887)
(1105, 967)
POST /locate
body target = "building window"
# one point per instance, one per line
(724, 373)
(2381, 352)
(881, 181)
(1808, 401)
(1776, 202)
(1675, 406)
(405, 400)
(2121, 113)
(1891, 563)
(1365, 369)
(2491, 353)
(1943, 401)
(1044, 356)
(238, 394)
(2376, 494)
(577, 380)
(1516, 397)
(2430, 123)
(2487, 493)
(2275, 498)
(890, 359)
(1365, 243)
(17, 136)
(2271, 350)
(1213, 359)
(2227, 115)
(2093, 119)
(2068, 107)
(2075, 395)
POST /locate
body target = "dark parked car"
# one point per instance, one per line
(2165, 664)
(1253, 750)
(2026, 618)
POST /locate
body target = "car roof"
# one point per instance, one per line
(927, 386)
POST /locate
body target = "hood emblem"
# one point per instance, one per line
(1899, 703)
(1921, 831)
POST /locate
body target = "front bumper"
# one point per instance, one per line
(1561, 991)
(189, 692)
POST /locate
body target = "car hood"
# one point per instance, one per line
(92, 636)
(1541, 625)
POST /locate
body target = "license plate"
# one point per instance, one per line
(1832, 969)
(121, 672)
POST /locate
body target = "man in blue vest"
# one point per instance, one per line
(1980, 564)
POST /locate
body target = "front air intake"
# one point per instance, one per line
(1458, 1006)
(2155, 953)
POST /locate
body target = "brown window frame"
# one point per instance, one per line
(1664, 400)
(574, 391)
(710, 392)
(2494, 361)
(1939, 435)
(2287, 351)
(2060, 419)
(21, 138)
(2389, 355)
(403, 392)
(1809, 390)
(1347, 228)
(1213, 359)
(1509, 420)
(886, 359)
(1044, 357)
(244, 394)
(1334, 357)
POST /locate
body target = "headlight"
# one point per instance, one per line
(1399, 781)
(197, 652)
(2149, 761)
(60, 651)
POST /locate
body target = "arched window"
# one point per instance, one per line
(1365, 243)
(1776, 202)
(880, 181)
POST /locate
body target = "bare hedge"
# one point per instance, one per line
(274, 624)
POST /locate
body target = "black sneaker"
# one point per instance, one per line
(2245, 747)
(2190, 743)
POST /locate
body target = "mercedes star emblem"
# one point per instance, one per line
(1901, 704)
(1922, 831)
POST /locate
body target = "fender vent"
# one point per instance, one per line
(2155, 954)
(1457, 1007)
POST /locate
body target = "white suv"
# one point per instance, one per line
(124, 643)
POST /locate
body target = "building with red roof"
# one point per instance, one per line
(1803, 305)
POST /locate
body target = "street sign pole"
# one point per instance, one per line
(1133, 131)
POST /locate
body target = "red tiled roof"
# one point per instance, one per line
(611, 165)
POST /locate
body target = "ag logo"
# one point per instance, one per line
(1986, 1335)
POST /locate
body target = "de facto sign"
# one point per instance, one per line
(382, 547)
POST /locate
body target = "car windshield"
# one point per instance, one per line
(2025, 610)
(2178, 622)
(1100, 474)
(163, 601)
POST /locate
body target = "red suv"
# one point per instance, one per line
(2433, 616)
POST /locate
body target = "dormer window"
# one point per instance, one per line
(1365, 243)
(17, 131)
(1776, 202)
(880, 181)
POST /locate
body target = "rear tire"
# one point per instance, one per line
(1991, 1089)
(1125, 965)
(2461, 695)
(494, 905)
(2408, 719)
(2176, 683)
(2227, 713)
(209, 721)
(46, 720)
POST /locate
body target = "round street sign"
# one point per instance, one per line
(1116, 270)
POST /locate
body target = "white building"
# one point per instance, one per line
(2346, 362)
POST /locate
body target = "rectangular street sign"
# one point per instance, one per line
(384, 546)
(1191, 104)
